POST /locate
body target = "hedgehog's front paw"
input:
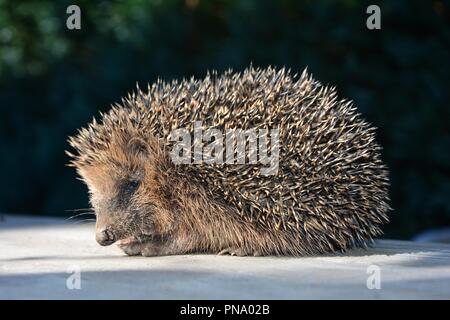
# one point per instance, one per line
(131, 248)
(240, 252)
(150, 249)
(146, 249)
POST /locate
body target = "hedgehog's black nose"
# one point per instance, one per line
(105, 237)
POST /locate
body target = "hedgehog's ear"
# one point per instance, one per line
(138, 147)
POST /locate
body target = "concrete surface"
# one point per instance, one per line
(39, 257)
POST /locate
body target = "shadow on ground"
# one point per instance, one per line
(170, 284)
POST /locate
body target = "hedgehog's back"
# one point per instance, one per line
(331, 185)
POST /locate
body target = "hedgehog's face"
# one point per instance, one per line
(122, 192)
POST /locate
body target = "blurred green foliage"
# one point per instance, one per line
(53, 80)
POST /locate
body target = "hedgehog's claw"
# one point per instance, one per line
(239, 252)
(231, 252)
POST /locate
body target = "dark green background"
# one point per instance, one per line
(53, 80)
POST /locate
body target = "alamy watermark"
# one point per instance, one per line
(73, 281)
(374, 20)
(74, 19)
(374, 278)
(234, 146)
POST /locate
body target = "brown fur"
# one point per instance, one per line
(172, 215)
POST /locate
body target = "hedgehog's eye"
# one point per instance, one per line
(128, 188)
(132, 185)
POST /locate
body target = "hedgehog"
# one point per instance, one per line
(323, 190)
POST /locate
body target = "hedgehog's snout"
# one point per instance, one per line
(105, 237)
